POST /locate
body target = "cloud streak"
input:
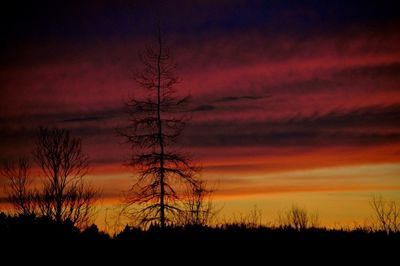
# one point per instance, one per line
(371, 125)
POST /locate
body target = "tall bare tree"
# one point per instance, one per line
(156, 122)
(19, 193)
(65, 195)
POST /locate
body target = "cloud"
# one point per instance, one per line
(203, 108)
(390, 70)
(83, 119)
(238, 98)
(371, 125)
(378, 116)
(98, 115)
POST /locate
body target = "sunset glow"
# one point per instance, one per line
(290, 103)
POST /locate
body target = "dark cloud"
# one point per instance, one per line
(370, 125)
(365, 117)
(229, 99)
(54, 118)
(386, 71)
(238, 98)
(360, 78)
(310, 138)
(17, 134)
(362, 126)
(310, 85)
(203, 108)
(84, 119)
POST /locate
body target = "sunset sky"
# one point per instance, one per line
(292, 101)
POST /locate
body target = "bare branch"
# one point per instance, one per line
(64, 195)
(19, 193)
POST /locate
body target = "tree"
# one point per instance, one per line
(298, 218)
(18, 192)
(387, 215)
(198, 206)
(155, 123)
(64, 195)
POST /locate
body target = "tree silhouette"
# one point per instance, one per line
(198, 206)
(387, 215)
(18, 192)
(65, 195)
(298, 218)
(156, 121)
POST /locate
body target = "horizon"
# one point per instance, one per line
(292, 102)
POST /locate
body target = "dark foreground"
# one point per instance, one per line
(34, 240)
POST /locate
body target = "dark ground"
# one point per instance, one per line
(41, 241)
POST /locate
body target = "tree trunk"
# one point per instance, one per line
(58, 196)
(160, 135)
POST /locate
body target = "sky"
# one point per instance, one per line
(292, 102)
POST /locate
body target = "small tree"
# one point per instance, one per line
(65, 195)
(156, 122)
(198, 207)
(18, 192)
(298, 218)
(386, 214)
(252, 219)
